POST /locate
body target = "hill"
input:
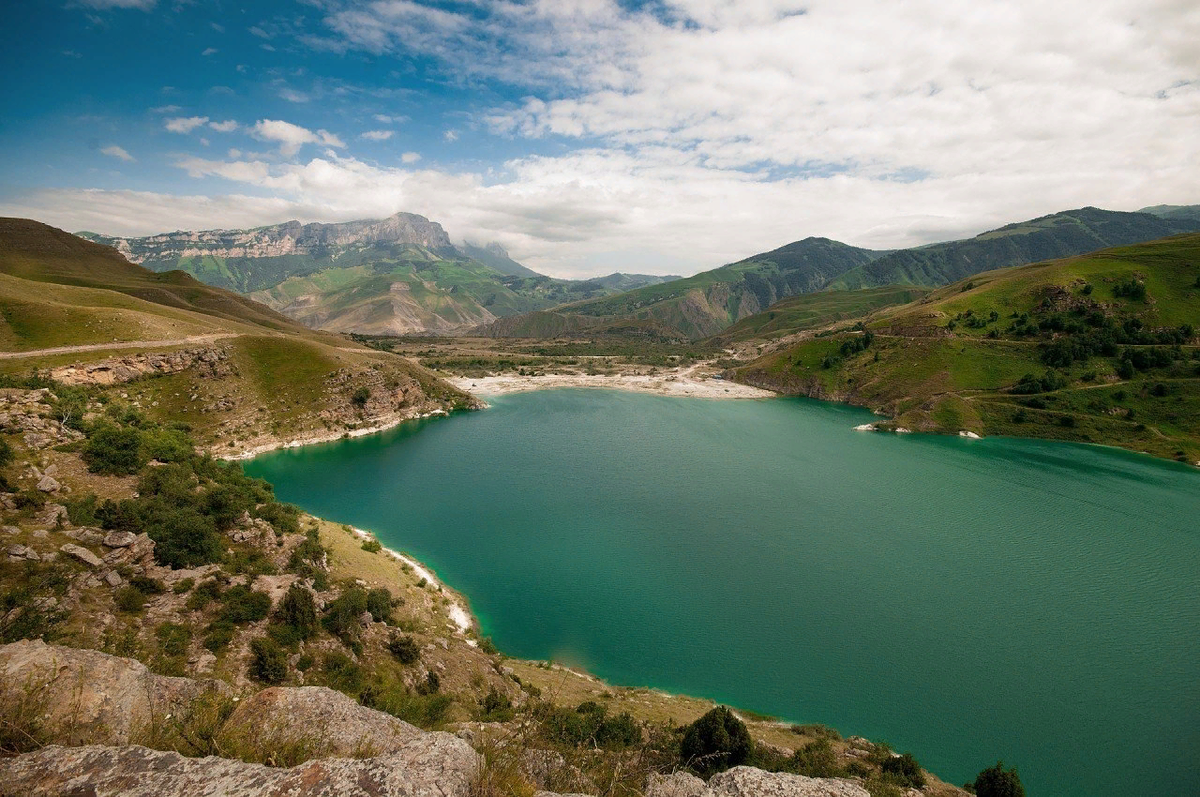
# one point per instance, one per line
(705, 304)
(237, 373)
(399, 275)
(812, 310)
(1071, 232)
(1097, 348)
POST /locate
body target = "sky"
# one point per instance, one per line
(589, 136)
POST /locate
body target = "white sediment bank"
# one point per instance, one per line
(455, 610)
(673, 383)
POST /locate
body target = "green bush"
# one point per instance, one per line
(268, 662)
(342, 613)
(147, 586)
(998, 782)
(816, 760)
(715, 742)
(342, 673)
(495, 707)
(905, 770)
(113, 450)
(244, 605)
(372, 546)
(379, 604)
(204, 594)
(130, 599)
(589, 725)
(404, 648)
(360, 397)
(7, 454)
(173, 638)
(297, 615)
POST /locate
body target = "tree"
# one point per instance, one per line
(297, 612)
(360, 397)
(999, 782)
(716, 742)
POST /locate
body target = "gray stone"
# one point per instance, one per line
(10, 530)
(431, 765)
(678, 784)
(751, 782)
(113, 578)
(23, 552)
(329, 721)
(40, 534)
(98, 697)
(82, 554)
(119, 539)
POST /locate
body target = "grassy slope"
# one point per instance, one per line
(1063, 234)
(283, 379)
(929, 376)
(811, 310)
(705, 304)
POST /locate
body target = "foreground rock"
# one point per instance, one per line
(330, 721)
(89, 696)
(750, 782)
(432, 765)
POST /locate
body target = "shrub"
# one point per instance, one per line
(341, 616)
(114, 450)
(82, 511)
(285, 518)
(816, 759)
(404, 648)
(173, 638)
(905, 770)
(244, 605)
(379, 604)
(147, 586)
(432, 684)
(342, 673)
(268, 663)
(304, 663)
(298, 611)
(495, 707)
(372, 546)
(130, 599)
(360, 397)
(7, 455)
(182, 537)
(999, 782)
(203, 594)
(715, 742)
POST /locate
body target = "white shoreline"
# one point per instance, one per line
(674, 383)
(459, 615)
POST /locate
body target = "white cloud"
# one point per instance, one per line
(291, 137)
(185, 124)
(210, 51)
(291, 95)
(378, 135)
(165, 109)
(113, 151)
(384, 119)
(410, 157)
(204, 141)
(450, 136)
(228, 126)
(217, 27)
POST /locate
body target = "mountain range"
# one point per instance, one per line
(399, 275)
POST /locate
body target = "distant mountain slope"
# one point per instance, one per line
(702, 305)
(1173, 211)
(1096, 348)
(811, 310)
(397, 276)
(41, 253)
(1071, 232)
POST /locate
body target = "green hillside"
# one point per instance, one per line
(703, 305)
(811, 310)
(1098, 348)
(1071, 232)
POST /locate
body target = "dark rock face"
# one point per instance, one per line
(431, 765)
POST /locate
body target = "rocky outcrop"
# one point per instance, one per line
(328, 720)
(27, 412)
(751, 782)
(90, 696)
(289, 238)
(213, 362)
(430, 765)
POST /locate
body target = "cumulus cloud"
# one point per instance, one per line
(228, 126)
(113, 151)
(185, 124)
(291, 95)
(410, 157)
(291, 137)
(378, 135)
(210, 51)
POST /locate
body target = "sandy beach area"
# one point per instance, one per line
(681, 382)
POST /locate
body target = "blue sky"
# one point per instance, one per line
(593, 135)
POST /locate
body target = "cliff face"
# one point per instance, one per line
(289, 238)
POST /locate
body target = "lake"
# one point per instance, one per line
(966, 600)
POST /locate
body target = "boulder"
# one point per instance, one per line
(330, 721)
(92, 696)
(120, 539)
(751, 782)
(678, 784)
(429, 765)
(48, 484)
(22, 552)
(82, 554)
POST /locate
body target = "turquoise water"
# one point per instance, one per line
(965, 600)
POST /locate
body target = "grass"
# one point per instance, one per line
(950, 360)
(812, 310)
